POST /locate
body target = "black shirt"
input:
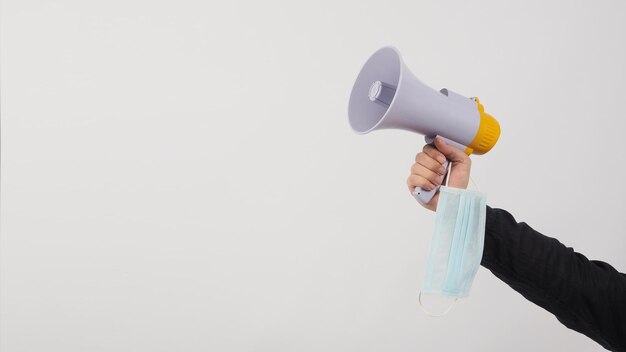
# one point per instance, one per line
(585, 295)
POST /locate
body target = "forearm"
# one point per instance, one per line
(587, 296)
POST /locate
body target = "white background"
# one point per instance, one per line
(181, 176)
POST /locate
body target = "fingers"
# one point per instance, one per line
(423, 177)
(429, 163)
(415, 181)
(434, 177)
(435, 154)
(451, 153)
(428, 171)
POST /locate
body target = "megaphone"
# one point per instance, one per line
(386, 95)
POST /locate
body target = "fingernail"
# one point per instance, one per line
(441, 159)
(442, 170)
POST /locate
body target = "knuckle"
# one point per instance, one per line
(425, 184)
(434, 164)
(428, 186)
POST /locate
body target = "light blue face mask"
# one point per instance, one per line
(456, 248)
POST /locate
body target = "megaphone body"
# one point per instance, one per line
(386, 95)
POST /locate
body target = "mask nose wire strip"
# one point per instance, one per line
(419, 299)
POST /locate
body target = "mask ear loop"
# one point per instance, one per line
(419, 299)
(449, 170)
(474, 183)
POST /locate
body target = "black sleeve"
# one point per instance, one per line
(585, 295)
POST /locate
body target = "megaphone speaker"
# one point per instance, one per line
(386, 95)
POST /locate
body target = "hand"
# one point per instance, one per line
(428, 171)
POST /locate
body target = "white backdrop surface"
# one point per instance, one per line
(181, 176)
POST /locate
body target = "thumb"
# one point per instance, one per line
(453, 154)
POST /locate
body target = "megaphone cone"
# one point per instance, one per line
(386, 94)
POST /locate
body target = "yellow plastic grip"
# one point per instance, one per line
(487, 134)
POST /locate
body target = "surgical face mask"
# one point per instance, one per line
(457, 245)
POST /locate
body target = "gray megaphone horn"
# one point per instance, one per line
(387, 95)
